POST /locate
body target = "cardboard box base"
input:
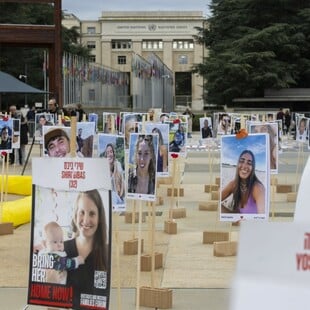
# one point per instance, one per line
(209, 206)
(284, 188)
(211, 187)
(291, 197)
(178, 213)
(158, 298)
(6, 228)
(225, 248)
(175, 192)
(128, 217)
(146, 261)
(170, 227)
(215, 195)
(159, 201)
(164, 180)
(209, 237)
(131, 247)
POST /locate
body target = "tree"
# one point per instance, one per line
(254, 45)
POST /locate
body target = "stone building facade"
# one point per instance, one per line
(117, 35)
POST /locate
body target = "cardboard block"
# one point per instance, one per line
(131, 247)
(166, 180)
(159, 201)
(225, 248)
(215, 195)
(6, 228)
(291, 197)
(211, 205)
(158, 298)
(178, 213)
(284, 188)
(175, 192)
(211, 187)
(209, 237)
(128, 217)
(146, 261)
(170, 227)
(218, 181)
(274, 181)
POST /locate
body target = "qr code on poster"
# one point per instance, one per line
(100, 279)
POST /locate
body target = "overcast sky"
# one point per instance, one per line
(92, 9)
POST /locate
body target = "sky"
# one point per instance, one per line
(92, 9)
(232, 148)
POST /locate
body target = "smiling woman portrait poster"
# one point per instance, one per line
(245, 175)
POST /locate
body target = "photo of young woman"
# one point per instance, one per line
(163, 146)
(244, 178)
(142, 166)
(112, 148)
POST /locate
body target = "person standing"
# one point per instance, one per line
(54, 109)
(30, 117)
(23, 140)
(280, 116)
(287, 121)
(190, 121)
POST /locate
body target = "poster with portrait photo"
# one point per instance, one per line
(16, 133)
(56, 141)
(70, 249)
(245, 178)
(205, 127)
(85, 139)
(112, 148)
(223, 124)
(6, 134)
(93, 117)
(271, 129)
(109, 123)
(162, 130)
(142, 163)
(177, 137)
(302, 134)
(131, 123)
(42, 119)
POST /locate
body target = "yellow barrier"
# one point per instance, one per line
(17, 184)
(18, 211)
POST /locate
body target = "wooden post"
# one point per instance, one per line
(73, 137)
(119, 304)
(139, 257)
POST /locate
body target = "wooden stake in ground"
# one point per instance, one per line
(139, 257)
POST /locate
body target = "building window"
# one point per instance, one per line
(92, 58)
(183, 44)
(121, 44)
(152, 44)
(91, 44)
(121, 60)
(183, 60)
(91, 95)
(91, 30)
